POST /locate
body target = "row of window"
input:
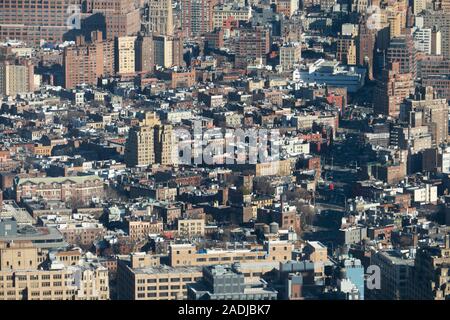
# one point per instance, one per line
(164, 280)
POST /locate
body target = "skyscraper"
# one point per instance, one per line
(160, 17)
(125, 55)
(402, 50)
(391, 89)
(197, 16)
(423, 109)
(16, 76)
(121, 17)
(83, 63)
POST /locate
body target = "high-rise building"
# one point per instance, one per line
(164, 144)
(428, 40)
(125, 55)
(402, 50)
(83, 63)
(168, 51)
(253, 44)
(365, 47)
(440, 20)
(16, 76)
(391, 89)
(139, 148)
(121, 17)
(430, 280)
(160, 17)
(145, 55)
(32, 21)
(423, 109)
(197, 16)
(346, 50)
(287, 7)
(419, 6)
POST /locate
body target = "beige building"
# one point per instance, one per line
(139, 278)
(160, 17)
(191, 227)
(346, 50)
(23, 277)
(151, 142)
(139, 148)
(16, 78)
(188, 255)
(223, 12)
(164, 142)
(125, 55)
(290, 56)
(140, 230)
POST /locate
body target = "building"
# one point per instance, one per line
(33, 21)
(145, 54)
(440, 20)
(354, 272)
(116, 18)
(395, 270)
(430, 272)
(352, 235)
(188, 228)
(365, 47)
(77, 190)
(346, 49)
(252, 45)
(160, 17)
(226, 283)
(428, 41)
(286, 7)
(424, 109)
(149, 143)
(168, 51)
(188, 255)
(125, 55)
(402, 50)
(24, 276)
(223, 12)
(16, 77)
(83, 63)
(333, 74)
(290, 56)
(39, 237)
(391, 89)
(139, 148)
(197, 16)
(138, 279)
(140, 229)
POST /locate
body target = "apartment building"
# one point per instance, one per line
(76, 190)
(191, 227)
